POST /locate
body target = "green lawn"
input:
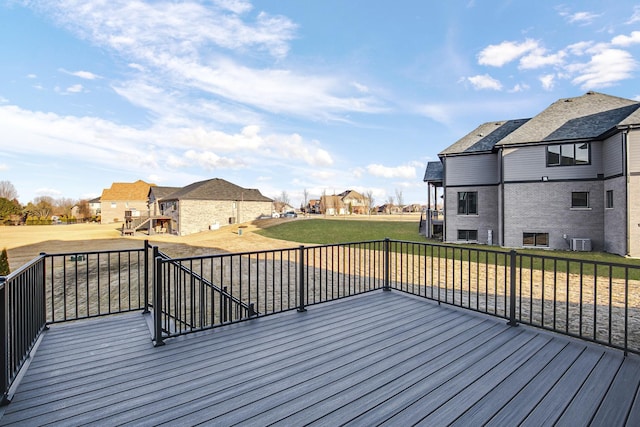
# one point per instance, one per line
(324, 231)
(329, 231)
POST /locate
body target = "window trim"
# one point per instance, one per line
(576, 207)
(535, 239)
(466, 199)
(608, 199)
(573, 157)
(467, 235)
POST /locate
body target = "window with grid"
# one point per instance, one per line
(468, 203)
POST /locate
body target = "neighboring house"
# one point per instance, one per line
(414, 207)
(156, 193)
(332, 205)
(94, 206)
(122, 197)
(314, 206)
(354, 202)
(212, 203)
(569, 178)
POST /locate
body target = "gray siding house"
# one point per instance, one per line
(568, 178)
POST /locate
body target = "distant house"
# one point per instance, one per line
(122, 197)
(568, 178)
(94, 207)
(332, 205)
(211, 204)
(314, 206)
(354, 202)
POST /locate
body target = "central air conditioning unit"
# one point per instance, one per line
(579, 244)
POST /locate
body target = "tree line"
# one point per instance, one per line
(41, 209)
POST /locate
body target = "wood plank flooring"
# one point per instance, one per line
(384, 358)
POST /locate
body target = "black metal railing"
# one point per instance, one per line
(90, 284)
(591, 300)
(261, 283)
(22, 320)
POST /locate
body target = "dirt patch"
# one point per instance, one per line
(24, 243)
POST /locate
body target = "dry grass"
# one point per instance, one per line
(26, 242)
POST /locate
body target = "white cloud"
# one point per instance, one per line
(210, 161)
(604, 69)
(635, 17)
(547, 81)
(538, 59)
(4, 167)
(583, 18)
(405, 172)
(437, 112)
(192, 52)
(32, 76)
(485, 81)
(51, 192)
(505, 52)
(87, 75)
(75, 88)
(519, 87)
(236, 6)
(629, 40)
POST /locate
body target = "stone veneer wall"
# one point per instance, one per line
(194, 216)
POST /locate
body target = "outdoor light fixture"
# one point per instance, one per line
(545, 178)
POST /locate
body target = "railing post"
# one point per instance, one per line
(146, 277)
(512, 288)
(301, 284)
(4, 335)
(387, 258)
(157, 299)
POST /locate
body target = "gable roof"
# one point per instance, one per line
(632, 120)
(162, 192)
(217, 189)
(351, 194)
(138, 190)
(584, 117)
(484, 137)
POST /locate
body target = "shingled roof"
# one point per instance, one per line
(584, 117)
(163, 192)
(484, 137)
(434, 172)
(217, 189)
(138, 190)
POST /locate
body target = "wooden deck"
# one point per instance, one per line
(381, 358)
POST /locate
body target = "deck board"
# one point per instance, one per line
(383, 357)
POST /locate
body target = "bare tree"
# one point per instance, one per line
(84, 210)
(281, 202)
(8, 191)
(305, 196)
(63, 206)
(369, 200)
(42, 207)
(389, 204)
(400, 199)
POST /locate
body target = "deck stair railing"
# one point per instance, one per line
(230, 306)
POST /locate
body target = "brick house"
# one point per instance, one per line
(211, 204)
(122, 197)
(568, 178)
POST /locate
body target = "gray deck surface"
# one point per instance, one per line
(381, 358)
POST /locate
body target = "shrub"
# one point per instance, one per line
(4, 263)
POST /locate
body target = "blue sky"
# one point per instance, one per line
(285, 95)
